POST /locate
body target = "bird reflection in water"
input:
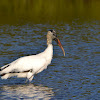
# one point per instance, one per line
(26, 92)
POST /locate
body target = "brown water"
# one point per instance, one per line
(23, 28)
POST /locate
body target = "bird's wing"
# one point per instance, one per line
(24, 64)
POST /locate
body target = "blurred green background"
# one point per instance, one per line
(48, 11)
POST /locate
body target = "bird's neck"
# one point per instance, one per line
(49, 51)
(49, 40)
(49, 48)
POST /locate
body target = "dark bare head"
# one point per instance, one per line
(51, 35)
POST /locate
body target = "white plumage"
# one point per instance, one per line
(28, 66)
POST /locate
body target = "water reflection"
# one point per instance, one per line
(38, 11)
(29, 91)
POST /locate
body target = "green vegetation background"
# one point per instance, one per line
(48, 11)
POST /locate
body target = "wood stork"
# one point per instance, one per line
(28, 66)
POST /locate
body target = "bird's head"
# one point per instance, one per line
(51, 35)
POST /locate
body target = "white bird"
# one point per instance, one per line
(28, 66)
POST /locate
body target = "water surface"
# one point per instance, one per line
(73, 77)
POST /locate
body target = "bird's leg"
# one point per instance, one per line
(30, 75)
(26, 80)
(29, 79)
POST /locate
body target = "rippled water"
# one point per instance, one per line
(73, 77)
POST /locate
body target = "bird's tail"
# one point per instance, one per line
(8, 75)
(4, 76)
(4, 70)
(4, 67)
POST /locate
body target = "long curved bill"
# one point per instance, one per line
(60, 45)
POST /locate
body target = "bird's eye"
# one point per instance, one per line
(55, 34)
